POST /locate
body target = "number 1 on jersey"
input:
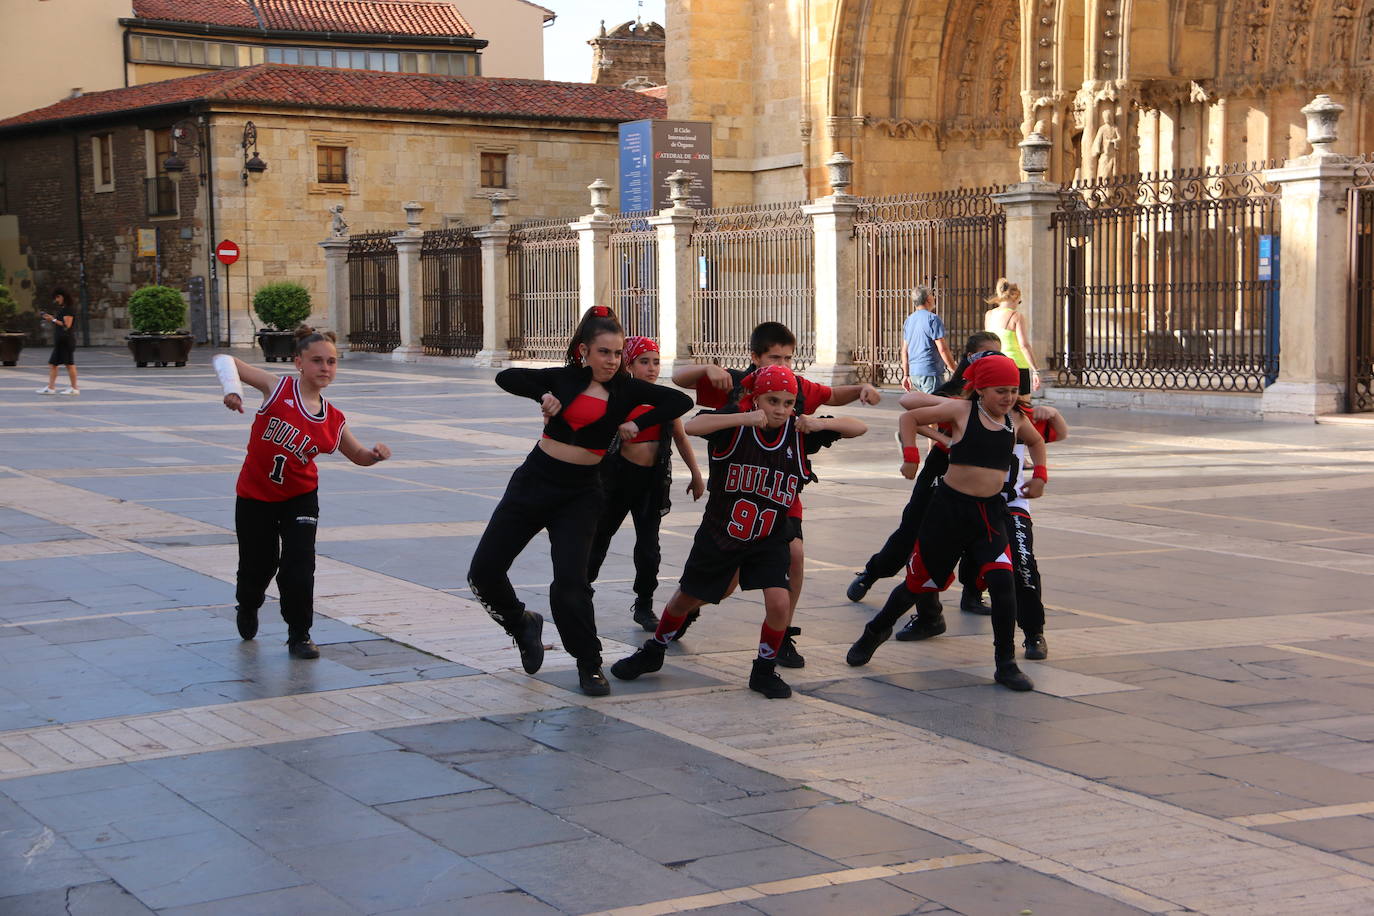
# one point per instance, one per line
(748, 523)
(278, 469)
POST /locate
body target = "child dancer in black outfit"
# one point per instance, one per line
(967, 511)
(585, 403)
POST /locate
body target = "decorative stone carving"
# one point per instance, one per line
(338, 229)
(1102, 154)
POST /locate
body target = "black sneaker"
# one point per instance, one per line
(919, 627)
(592, 681)
(1036, 648)
(647, 660)
(646, 618)
(690, 619)
(867, 644)
(971, 602)
(859, 587)
(303, 648)
(529, 639)
(247, 621)
(1012, 677)
(788, 656)
(764, 679)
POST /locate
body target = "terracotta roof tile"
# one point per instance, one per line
(373, 17)
(279, 85)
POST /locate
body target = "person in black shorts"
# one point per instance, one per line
(757, 466)
(967, 512)
(62, 317)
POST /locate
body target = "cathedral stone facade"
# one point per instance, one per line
(931, 94)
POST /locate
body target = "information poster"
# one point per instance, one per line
(650, 151)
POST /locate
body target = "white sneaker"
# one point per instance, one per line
(47, 391)
(70, 391)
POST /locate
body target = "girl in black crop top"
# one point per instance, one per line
(585, 403)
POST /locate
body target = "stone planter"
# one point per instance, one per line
(277, 346)
(10, 345)
(160, 349)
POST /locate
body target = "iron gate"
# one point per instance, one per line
(952, 241)
(543, 288)
(634, 273)
(374, 305)
(1159, 281)
(451, 279)
(1359, 381)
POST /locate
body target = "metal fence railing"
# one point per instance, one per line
(1360, 335)
(1164, 281)
(754, 264)
(634, 273)
(952, 241)
(374, 310)
(544, 288)
(451, 284)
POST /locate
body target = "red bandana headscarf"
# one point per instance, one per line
(992, 371)
(769, 378)
(635, 347)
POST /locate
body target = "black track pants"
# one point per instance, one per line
(278, 539)
(636, 491)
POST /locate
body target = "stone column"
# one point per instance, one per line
(410, 285)
(832, 220)
(1029, 205)
(594, 250)
(495, 239)
(336, 288)
(677, 274)
(1313, 300)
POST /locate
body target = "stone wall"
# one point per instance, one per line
(631, 51)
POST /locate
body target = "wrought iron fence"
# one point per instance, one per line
(951, 241)
(451, 283)
(1163, 281)
(1360, 337)
(634, 273)
(754, 264)
(374, 309)
(543, 288)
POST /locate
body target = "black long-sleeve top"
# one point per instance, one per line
(625, 394)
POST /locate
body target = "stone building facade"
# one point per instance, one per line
(925, 94)
(367, 141)
(631, 53)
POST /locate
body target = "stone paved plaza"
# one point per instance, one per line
(1199, 741)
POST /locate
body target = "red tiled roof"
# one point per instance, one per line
(655, 92)
(372, 17)
(280, 85)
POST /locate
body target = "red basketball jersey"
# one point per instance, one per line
(283, 445)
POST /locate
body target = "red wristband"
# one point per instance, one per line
(1041, 473)
(911, 454)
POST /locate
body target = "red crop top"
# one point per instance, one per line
(583, 411)
(645, 435)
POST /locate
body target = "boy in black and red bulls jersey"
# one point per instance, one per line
(278, 506)
(758, 465)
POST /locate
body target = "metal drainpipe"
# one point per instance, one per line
(206, 164)
(81, 245)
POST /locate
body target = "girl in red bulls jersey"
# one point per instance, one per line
(637, 479)
(758, 466)
(278, 506)
(967, 512)
(585, 404)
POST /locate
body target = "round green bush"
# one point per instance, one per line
(157, 310)
(282, 306)
(9, 309)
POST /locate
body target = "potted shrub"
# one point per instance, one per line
(281, 306)
(157, 314)
(11, 337)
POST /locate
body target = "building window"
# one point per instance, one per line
(161, 189)
(331, 164)
(494, 171)
(102, 161)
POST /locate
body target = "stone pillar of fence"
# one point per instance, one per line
(409, 286)
(495, 241)
(336, 286)
(832, 221)
(1028, 205)
(594, 249)
(677, 275)
(1312, 274)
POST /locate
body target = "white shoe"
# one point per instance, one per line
(47, 391)
(70, 391)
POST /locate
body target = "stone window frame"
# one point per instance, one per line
(102, 161)
(513, 168)
(152, 165)
(349, 144)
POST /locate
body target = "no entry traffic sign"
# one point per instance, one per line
(227, 252)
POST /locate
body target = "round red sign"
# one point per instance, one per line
(227, 252)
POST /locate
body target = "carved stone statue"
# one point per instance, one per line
(1102, 155)
(338, 229)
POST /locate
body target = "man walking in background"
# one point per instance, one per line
(925, 355)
